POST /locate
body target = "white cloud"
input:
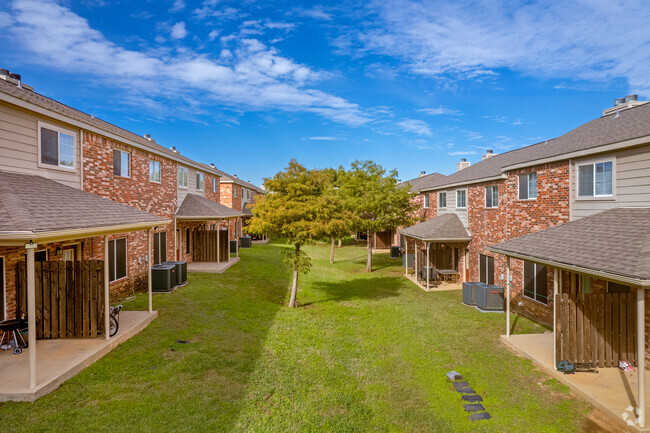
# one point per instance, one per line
(585, 40)
(177, 6)
(213, 34)
(438, 111)
(255, 77)
(209, 9)
(316, 12)
(322, 138)
(416, 126)
(462, 153)
(178, 30)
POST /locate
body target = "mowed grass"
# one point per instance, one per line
(364, 352)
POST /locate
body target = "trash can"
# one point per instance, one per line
(395, 252)
(245, 242)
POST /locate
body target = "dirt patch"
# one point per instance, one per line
(598, 422)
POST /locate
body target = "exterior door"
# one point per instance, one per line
(486, 269)
(159, 248)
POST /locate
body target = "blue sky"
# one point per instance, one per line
(412, 85)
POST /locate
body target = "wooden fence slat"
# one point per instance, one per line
(93, 300)
(100, 298)
(586, 308)
(622, 328)
(572, 328)
(593, 328)
(558, 327)
(608, 330)
(61, 294)
(615, 329)
(69, 298)
(580, 333)
(600, 300)
(566, 354)
(631, 329)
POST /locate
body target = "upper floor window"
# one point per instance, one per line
(121, 163)
(426, 201)
(56, 147)
(442, 199)
(527, 186)
(182, 177)
(154, 171)
(595, 180)
(234, 191)
(492, 196)
(199, 181)
(461, 198)
(214, 184)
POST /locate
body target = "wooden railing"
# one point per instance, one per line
(205, 246)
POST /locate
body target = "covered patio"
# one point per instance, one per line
(435, 250)
(600, 269)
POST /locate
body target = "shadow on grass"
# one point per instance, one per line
(357, 289)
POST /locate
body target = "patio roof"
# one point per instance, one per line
(195, 207)
(39, 209)
(446, 227)
(614, 244)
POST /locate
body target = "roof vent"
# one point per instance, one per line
(488, 154)
(236, 176)
(173, 149)
(399, 180)
(462, 164)
(422, 173)
(628, 98)
(621, 104)
(212, 165)
(14, 79)
(619, 101)
(147, 136)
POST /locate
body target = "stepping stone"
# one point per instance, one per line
(454, 375)
(479, 416)
(473, 407)
(465, 390)
(460, 384)
(472, 398)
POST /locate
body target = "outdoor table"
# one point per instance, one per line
(448, 274)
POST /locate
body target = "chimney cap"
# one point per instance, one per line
(463, 160)
(619, 101)
(489, 151)
(4, 71)
(630, 98)
(423, 172)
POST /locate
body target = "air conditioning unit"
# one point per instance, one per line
(233, 246)
(490, 297)
(181, 271)
(469, 292)
(245, 242)
(395, 252)
(163, 278)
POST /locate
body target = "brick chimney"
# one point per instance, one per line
(488, 154)
(462, 164)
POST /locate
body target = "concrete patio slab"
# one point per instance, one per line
(212, 267)
(435, 286)
(60, 359)
(611, 390)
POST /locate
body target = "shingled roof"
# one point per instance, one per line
(195, 207)
(425, 181)
(615, 241)
(31, 204)
(446, 227)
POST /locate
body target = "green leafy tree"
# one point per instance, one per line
(343, 220)
(374, 198)
(300, 207)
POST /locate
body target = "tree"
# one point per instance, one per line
(343, 221)
(375, 199)
(300, 207)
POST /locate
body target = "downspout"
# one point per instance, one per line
(640, 343)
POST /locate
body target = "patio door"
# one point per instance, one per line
(486, 269)
(159, 248)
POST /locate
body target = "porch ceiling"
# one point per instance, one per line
(444, 228)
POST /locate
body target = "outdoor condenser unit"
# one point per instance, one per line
(469, 292)
(163, 278)
(395, 251)
(245, 242)
(233, 246)
(181, 271)
(490, 297)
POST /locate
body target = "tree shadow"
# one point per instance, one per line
(357, 289)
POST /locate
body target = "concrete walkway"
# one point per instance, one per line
(60, 359)
(212, 267)
(434, 286)
(611, 390)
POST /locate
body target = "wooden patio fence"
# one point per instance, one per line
(205, 246)
(596, 328)
(69, 298)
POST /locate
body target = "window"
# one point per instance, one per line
(595, 180)
(527, 186)
(213, 227)
(492, 196)
(617, 288)
(535, 282)
(214, 184)
(56, 147)
(182, 177)
(442, 199)
(121, 163)
(116, 259)
(40, 256)
(199, 181)
(187, 241)
(426, 201)
(3, 297)
(461, 198)
(585, 284)
(234, 191)
(159, 248)
(154, 171)
(486, 269)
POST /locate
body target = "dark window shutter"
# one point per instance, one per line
(162, 244)
(529, 279)
(490, 270)
(120, 258)
(523, 187)
(117, 162)
(482, 269)
(49, 147)
(488, 197)
(187, 243)
(156, 248)
(541, 287)
(111, 260)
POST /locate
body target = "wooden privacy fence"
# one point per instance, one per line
(69, 298)
(205, 246)
(598, 328)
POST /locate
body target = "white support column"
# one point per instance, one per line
(428, 265)
(640, 343)
(31, 312)
(107, 293)
(149, 262)
(237, 237)
(218, 244)
(507, 296)
(176, 242)
(406, 256)
(229, 241)
(556, 288)
(416, 261)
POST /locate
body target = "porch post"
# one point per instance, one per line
(107, 292)
(218, 242)
(149, 253)
(175, 242)
(556, 286)
(31, 312)
(640, 343)
(237, 237)
(406, 256)
(507, 296)
(428, 266)
(416, 262)
(228, 240)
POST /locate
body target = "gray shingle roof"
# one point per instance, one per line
(197, 207)
(616, 241)
(445, 227)
(632, 123)
(34, 204)
(425, 181)
(226, 178)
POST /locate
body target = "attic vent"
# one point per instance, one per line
(622, 104)
(236, 176)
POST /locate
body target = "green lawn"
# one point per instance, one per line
(364, 352)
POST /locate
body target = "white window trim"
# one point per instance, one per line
(426, 200)
(202, 177)
(74, 147)
(130, 160)
(160, 170)
(525, 199)
(214, 184)
(186, 170)
(491, 187)
(439, 194)
(4, 286)
(523, 286)
(126, 259)
(461, 207)
(234, 191)
(607, 197)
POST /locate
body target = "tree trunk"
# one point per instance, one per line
(340, 243)
(294, 290)
(332, 252)
(369, 263)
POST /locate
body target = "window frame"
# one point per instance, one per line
(593, 163)
(426, 200)
(527, 175)
(442, 194)
(214, 184)
(122, 151)
(161, 251)
(200, 181)
(464, 191)
(126, 259)
(485, 262)
(535, 291)
(185, 177)
(234, 191)
(154, 162)
(492, 189)
(57, 129)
